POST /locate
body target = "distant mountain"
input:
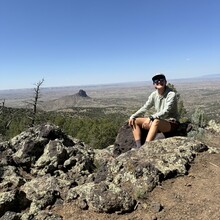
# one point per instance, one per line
(78, 99)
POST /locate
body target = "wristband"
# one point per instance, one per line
(151, 118)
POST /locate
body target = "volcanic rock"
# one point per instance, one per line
(43, 166)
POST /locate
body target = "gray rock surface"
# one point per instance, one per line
(43, 166)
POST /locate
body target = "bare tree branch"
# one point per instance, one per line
(35, 101)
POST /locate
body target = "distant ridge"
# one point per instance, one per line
(211, 76)
(207, 77)
(78, 99)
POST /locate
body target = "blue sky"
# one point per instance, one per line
(81, 42)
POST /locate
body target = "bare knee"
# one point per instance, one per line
(139, 121)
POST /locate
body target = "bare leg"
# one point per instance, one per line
(140, 123)
(157, 125)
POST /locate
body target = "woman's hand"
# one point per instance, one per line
(131, 122)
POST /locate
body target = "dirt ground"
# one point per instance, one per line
(195, 196)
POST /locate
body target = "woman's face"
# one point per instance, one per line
(159, 83)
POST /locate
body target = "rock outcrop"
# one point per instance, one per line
(125, 141)
(82, 93)
(43, 167)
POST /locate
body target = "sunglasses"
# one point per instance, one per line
(157, 81)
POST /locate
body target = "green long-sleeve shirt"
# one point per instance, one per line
(165, 105)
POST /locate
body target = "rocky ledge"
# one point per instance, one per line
(43, 167)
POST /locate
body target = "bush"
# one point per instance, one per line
(181, 109)
(198, 118)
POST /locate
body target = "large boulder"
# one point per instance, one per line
(135, 172)
(125, 140)
(43, 166)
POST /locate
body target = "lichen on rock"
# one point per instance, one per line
(47, 166)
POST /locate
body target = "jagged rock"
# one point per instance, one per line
(45, 215)
(136, 173)
(6, 154)
(43, 166)
(41, 215)
(10, 216)
(54, 155)
(10, 180)
(214, 126)
(15, 201)
(124, 140)
(41, 191)
(43, 162)
(102, 197)
(103, 155)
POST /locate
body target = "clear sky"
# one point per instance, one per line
(81, 42)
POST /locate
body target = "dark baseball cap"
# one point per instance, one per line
(158, 76)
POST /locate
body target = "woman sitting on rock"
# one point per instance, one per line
(164, 101)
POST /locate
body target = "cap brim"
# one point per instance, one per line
(159, 76)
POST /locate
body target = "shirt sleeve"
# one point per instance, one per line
(144, 108)
(169, 104)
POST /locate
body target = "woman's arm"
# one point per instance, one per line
(144, 108)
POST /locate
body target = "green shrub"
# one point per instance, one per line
(181, 109)
(95, 130)
(198, 118)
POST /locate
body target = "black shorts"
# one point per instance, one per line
(173, 123)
